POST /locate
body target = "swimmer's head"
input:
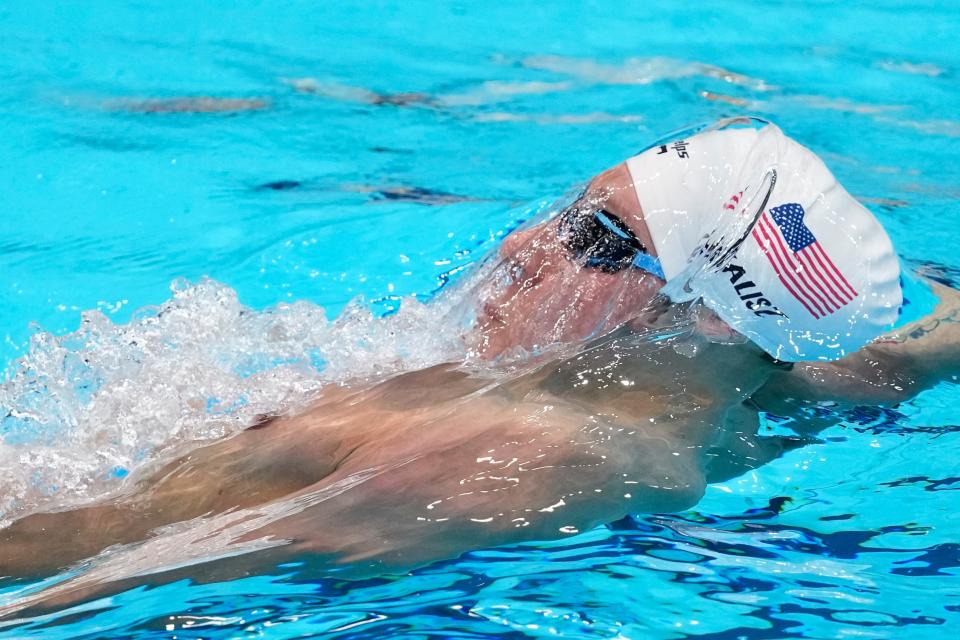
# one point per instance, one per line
(810, 275)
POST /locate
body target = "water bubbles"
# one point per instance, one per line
(81, 413)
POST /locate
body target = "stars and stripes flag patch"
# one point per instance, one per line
(800, 262)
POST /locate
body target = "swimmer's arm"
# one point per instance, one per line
(381, 509)
(894, 368)
(253, 467)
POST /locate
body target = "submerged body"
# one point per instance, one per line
(430, 464)
(451, 456)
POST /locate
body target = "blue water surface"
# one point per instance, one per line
(324, 198)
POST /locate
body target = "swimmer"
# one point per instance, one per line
(591, 423)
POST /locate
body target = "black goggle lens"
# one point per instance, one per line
(598, 238)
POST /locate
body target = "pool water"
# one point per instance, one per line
(319, 198)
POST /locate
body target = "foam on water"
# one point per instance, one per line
(84, 410)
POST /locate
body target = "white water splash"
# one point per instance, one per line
(80, 412)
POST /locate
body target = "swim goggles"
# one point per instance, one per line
(600, 240)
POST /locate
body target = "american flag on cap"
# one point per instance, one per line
(800, 261)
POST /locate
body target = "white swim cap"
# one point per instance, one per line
(757, 226)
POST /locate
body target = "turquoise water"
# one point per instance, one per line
(323, 198)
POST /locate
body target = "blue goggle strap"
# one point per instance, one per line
(648, 263)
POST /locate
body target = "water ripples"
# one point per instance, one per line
(698, 575)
